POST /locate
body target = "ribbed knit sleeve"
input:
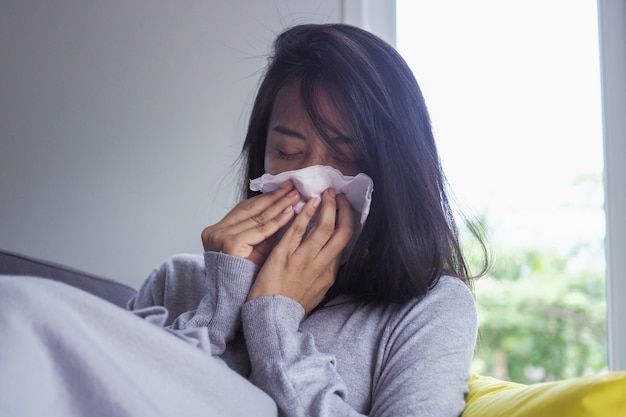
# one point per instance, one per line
(200, 292)
(229, 279)
(285, 361)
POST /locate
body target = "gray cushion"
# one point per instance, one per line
(17, 264)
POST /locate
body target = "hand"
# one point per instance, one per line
(304, 267)
(247, 230)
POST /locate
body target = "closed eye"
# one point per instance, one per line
(289, 156)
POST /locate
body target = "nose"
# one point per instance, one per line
(317, 157)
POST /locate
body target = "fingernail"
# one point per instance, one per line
(292, 193)
(288, 209)
(332, 192)
(316, 201)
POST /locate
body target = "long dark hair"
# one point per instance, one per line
(410, 238)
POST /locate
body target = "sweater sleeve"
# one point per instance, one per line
(178, 284)
(200, 294)
(286, 363)
(421, 367)
(229, 281)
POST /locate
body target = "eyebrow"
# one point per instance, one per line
(289, 132)
(293, 133)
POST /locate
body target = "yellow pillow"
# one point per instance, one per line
(589, 396)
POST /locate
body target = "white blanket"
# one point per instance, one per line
(64, 352)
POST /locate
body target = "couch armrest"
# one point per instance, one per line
(22, 265)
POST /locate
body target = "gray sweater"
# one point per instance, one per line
(344, 359)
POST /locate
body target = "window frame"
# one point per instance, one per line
(612, 35)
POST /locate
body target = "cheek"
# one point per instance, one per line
(271, 165)
(275, 165)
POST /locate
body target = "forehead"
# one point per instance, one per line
(289, 107)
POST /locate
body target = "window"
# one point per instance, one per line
(514, 94)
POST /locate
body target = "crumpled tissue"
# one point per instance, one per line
(312, 181)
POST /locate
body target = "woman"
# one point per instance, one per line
(392, 330)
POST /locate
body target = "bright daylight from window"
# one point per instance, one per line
(513, 89)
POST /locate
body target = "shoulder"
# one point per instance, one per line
(428, 345)
(451, 293)
(448, 308)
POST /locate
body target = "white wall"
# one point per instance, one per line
(120, 120)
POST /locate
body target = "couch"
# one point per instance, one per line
(602, 395)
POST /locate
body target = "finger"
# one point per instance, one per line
(259, 233)
(269, 216)
(261, 251)
(344, 229)
(296, 231)
(247, 214)
(255, 205)
(213, 237)
(325, 225)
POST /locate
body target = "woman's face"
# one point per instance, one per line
(294, 143)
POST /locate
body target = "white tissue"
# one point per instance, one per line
(312, 181)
